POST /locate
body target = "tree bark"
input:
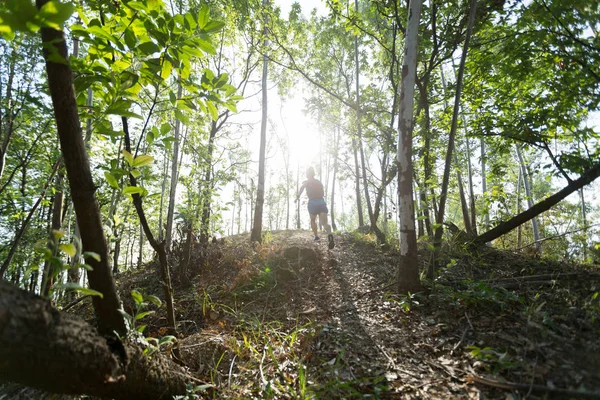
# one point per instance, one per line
(159, 247)
(23, 229)
(335, 167)
(57, 211)
(361, 219)
(62, 353)
(256, 235)
(408, 266)
(60, 81)
(527, 185)
(544, 205)
(459, 81)
(486, 219)
(174, 173)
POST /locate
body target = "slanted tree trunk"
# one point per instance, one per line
(527, 185)
(459, 82)
(408, 266)
(61, 353)
(159, 247)
(256, 235)
(83, 188)
(544, 205)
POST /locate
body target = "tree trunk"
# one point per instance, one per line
(298, 202)
(408, 266)
(161, 230)
(584, 222)
(62, 353)
(527, 185)
(519, 237)
(471, 189)
(57, 211)
(505, 227)
(463, 199)
(174, 173)
(335, 167)
(459, 81)
(23, 229)
(363, 165)
(256, 235)
(206, 195)
(361, 219)
(486, 215)
(159, 247)
(83, 188)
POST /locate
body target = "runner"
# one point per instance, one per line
(316, 204)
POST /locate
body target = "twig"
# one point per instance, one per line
(534, 388)
(231, 369)
(557, 236)
(464, 334)
(532, 376)
(469, 321)
(375, 290)
(262, 375)
(74, 302)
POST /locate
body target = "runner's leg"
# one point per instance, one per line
(313, 224)
(323, 222)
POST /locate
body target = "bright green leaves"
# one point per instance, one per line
(22, 15)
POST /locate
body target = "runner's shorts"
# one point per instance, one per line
(317, 206)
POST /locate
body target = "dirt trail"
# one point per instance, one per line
(375, 344)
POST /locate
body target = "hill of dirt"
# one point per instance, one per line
(291, 319)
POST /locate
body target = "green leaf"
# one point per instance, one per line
(165, 128)
(128, 157)
(143, 314)
(140, 161)
(182, 117)
(136, 174)
(137, 296)
(212, 110)
(133, 190)
(112, 181)
(203, 16)
(69, 249)
(167, 339)
(154, 300)
(91, 254)
(141, 328)
(53, 14)
(57, 234)
(78, 288)
(213, 26)
(206, 46)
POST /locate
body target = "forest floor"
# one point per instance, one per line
(291, 319)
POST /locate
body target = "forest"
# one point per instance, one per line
(155, 241)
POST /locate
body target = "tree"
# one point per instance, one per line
(256, 235)
(408, 267)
